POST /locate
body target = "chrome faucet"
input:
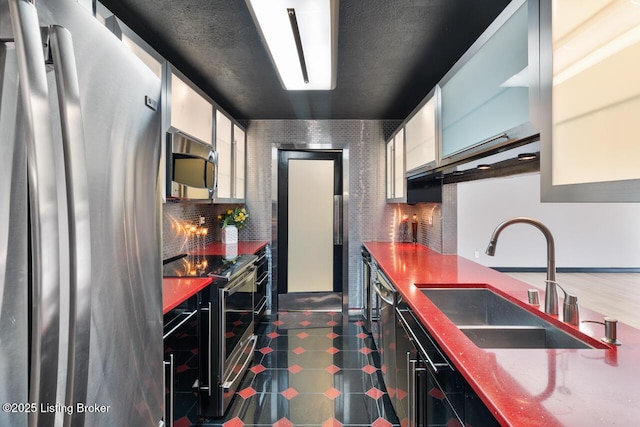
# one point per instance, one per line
(551, 293)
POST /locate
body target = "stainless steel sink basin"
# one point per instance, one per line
(491, 321)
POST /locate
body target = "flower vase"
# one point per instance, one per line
(230, 235)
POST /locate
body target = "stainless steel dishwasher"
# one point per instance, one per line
(386, 343)
(369, 308)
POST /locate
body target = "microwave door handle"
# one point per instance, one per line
(73, 148)
(45, 246)
(213, 158)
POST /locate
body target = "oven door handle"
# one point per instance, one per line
(249, 357)
(236, 284)
(376, 287)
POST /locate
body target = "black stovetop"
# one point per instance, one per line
(215, 266)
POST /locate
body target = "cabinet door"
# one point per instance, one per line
(420, 137)
(590, 57)
(224, 149)
(389, 169)
(485, 96)
(398, 168)
(190, 112)
(239, 146)
(396, 183)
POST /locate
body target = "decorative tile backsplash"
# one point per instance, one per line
(179, 217)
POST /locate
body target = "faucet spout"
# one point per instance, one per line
(551, 293)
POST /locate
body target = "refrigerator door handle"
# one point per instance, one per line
(43, 210)
(76, 177)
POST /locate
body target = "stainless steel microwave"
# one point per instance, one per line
(192, 166)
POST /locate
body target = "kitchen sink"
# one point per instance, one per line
(491, 321)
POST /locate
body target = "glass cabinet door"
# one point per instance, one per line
(396, 182)
(485, 96)
(223, 147)
(239, 144)
(590, 60)
(420, 137)
(190, 112)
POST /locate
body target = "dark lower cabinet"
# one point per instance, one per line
(181, 361)
(430, 392)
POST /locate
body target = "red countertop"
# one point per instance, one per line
(522, 387)
(176, 290)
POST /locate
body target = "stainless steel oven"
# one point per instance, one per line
(227, 339)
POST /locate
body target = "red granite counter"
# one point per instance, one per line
(522, 387)
(176, 290)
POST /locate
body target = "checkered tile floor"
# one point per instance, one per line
(309, 369)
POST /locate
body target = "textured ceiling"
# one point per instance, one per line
(390, 53)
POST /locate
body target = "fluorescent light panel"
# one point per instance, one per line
(317, 22)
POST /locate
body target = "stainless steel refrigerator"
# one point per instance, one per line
(80, 255)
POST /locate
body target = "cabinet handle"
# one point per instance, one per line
(411, 383)
(210, 344)
(418, 344)
(503, 135)
(182, 322)
(169, 421)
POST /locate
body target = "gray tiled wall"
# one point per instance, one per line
(364, 140)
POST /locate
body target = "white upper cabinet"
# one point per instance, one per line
(421, 137)
(485, 96)
(225, 159)
(590, 62)
(231, 148)
(190, 112)
(396, 183)
(239, 144)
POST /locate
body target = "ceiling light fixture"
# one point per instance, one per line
(296, 36)
(483, 167)
(301, 37)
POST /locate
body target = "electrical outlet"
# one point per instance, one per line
(477, 254)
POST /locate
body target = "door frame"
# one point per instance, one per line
(276, 252)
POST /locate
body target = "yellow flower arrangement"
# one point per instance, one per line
(237, 217)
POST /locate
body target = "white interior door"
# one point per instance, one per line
(310, 225)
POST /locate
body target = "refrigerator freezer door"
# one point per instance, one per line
(123, 143)
(44, 271)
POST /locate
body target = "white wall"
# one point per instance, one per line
(604, 235)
